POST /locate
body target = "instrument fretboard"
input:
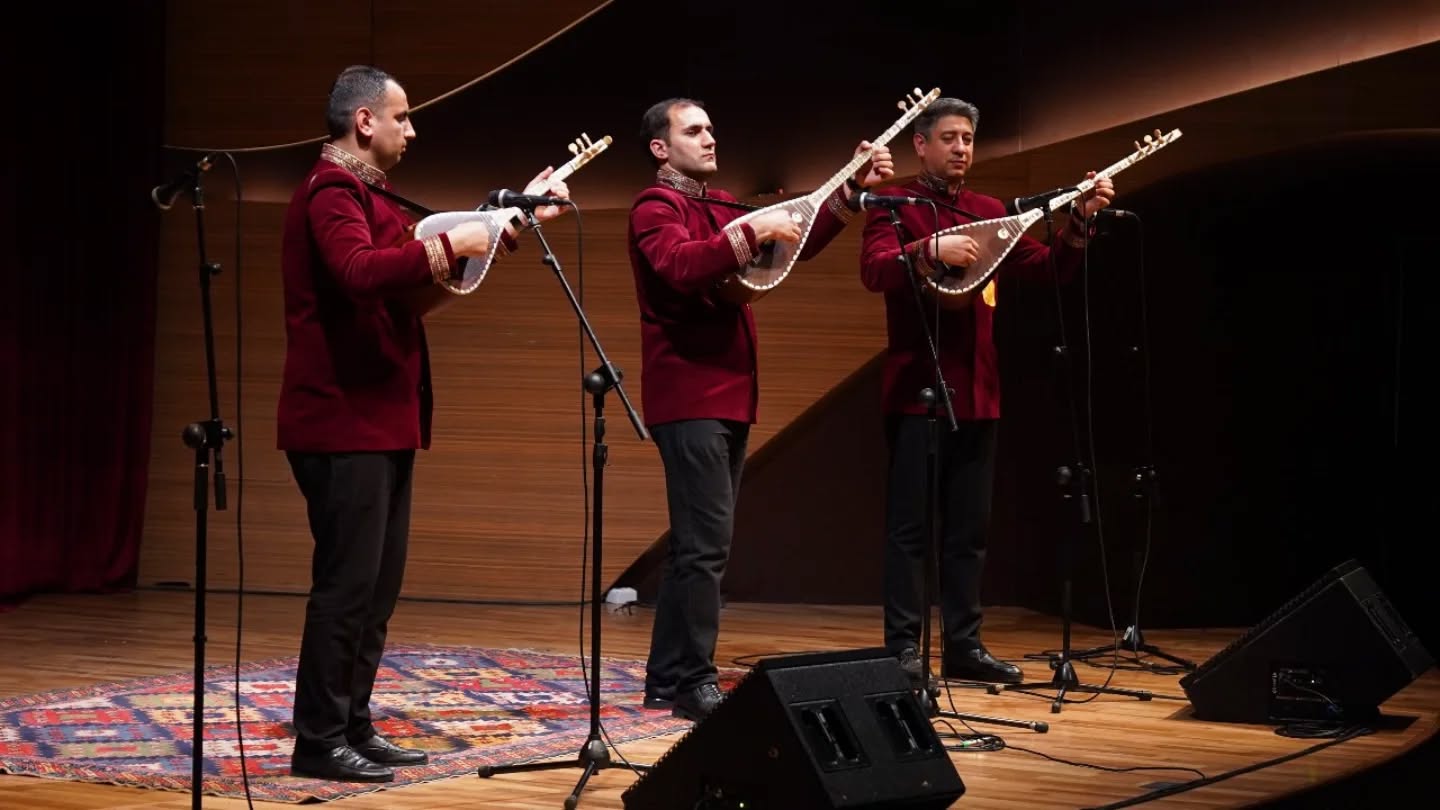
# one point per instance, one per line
(1113, 169)
(885, 137)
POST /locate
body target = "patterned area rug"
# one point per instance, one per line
(466, 706)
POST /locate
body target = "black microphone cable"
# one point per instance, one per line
(585, 477)
(239, 442)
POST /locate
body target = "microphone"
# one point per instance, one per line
(868, 200)
(1020, 205)
(164, 195)
(505, 198)
(1117, 213)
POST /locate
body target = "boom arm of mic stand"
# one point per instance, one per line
(610, 370)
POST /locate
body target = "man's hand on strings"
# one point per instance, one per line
(775, 226)
(879, 168)
(954, 249)
(543, 186)
(1097, 198)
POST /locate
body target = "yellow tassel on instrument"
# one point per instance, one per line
(989, 293)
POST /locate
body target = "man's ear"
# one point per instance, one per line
(660, 149)
(919, 141)
(365, 121)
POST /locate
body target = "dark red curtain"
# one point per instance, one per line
(84, 120)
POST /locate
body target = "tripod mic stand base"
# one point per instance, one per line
(1037, 726)
(1134, 642)
(992, 688)
(929, 697)
(1065, 680)
(594, 756)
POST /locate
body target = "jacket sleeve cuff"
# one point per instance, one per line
(441, 257)
(838, 205)
(920, 254)
(742, 241)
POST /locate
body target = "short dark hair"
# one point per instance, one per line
(357, 86)
(656, 121)
(941, 107)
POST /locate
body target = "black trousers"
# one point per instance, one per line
(966, 462)
(359, 510)
(703, 460)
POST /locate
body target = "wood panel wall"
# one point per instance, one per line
(500, 499)
(255, 73)
(500, 505)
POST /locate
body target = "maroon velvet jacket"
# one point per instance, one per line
(357, 372)
(698, 350)
(964, 336)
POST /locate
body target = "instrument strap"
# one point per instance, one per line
(958, 210)
(726, 203)
(413, 206)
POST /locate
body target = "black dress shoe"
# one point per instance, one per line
(378, 749)
(659, 699)
(697, 704)
(910, 664)
(979, 665)
(343, 764)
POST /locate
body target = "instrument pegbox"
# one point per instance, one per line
(911, 99)
(1153, 142)
(583, 144)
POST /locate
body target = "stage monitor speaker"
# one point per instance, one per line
(822, 730)
(1335, 652)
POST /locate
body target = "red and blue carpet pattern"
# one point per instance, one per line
(466, 706)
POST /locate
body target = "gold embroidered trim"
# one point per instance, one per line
(435, 254)
(937, 184)
(920, 252)
(353, 164)
(681, 183)
(739, 244)
(839, 207)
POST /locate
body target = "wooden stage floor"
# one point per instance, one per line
(55, 642)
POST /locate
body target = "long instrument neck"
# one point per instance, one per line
(1085, 185)
(568, 169)
(859, 160)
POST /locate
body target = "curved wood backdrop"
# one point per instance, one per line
(500, 507)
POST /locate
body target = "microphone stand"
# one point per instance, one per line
(929, 694)
(594, 753)
(1076, 478)
(1133, 640)
(205, 438)
(1145, 478)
